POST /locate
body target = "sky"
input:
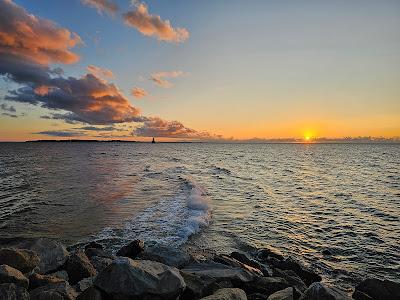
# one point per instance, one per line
(199, 70)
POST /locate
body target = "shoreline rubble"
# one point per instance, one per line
(43, 269)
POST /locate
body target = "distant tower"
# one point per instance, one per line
(153, 141)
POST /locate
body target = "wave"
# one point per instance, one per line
(171, 221)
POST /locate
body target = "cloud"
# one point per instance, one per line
(102, 6)
(157, 127)
(9, 115)
(58, 133)
(100, 72)
(138, 92)
(8, 108)
(93, 128)
(159, 78)
(24, 36)
(153, 25)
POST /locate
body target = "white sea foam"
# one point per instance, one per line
(171, 221)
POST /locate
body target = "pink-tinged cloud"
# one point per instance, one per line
(138, 92)
(153, 25)
(31, 38)
(157, 127)
(100, 72)
(159, 78)
(106, 6)
(41, 90)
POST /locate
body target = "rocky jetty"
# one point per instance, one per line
(42, 269)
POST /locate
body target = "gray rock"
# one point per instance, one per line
(286, 294)
(21, 259)
(378, 289)
(357, 295)
(227, 294)
(197, 286)
(37, 280)
(266, 253)
(10, 291)
(319, 291)
(93, 245)
(292, 278)
(220, 272)
(229, 261)
(126, 278)
(78, 266)
(10, 275)
(100, 263)
(90, 252)
(91, 294)
(266, 285)
(167, 255)
(306, 275)
(84, 284)
(48, 295)
(131, 250)
(256, 296)
(61, 288)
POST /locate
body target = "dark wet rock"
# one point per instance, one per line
(84, 284)
(78, 266)
(327, 252)
(358, 295)
(62, 274)
(37, 280)
(61, 288)
(292, 278)
(10, 275)
(286, 294)
(266, 253)
(94, 245)
(10, 291)
(100, 263)
(197, 286)
(229, 261)
(243, 258)
(170, 256)
(266, 285)
(48, 295)
(289, 264)
(131, 250)
(91, 294)
(378, 289)
(52, 254)
(319, 291)
(256, 296)
(142, 279)
(21, 259)
(220, 272)
(90, 252)
(227, 294)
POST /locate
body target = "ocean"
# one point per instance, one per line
(300, 199)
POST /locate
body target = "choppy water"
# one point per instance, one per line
(300, 199)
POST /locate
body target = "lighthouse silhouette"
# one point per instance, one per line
(153, 141)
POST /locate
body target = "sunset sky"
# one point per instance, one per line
(185, 69)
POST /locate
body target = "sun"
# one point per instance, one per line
(307, 137)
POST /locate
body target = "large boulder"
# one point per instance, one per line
(286, 294)
(220, 272)
(91, 294)
(100, 263)
(20, 259)
(266, 285)
(37, 280)
(10, 291)
(126, 278)
(306, 275)
(292, 278)
(132, 249)
(52, 254)
(170, 256)
(227, 294)
(243, 257)
(377, 289)
(319, 291)
(10, 275)
(78, 266)
(62, 289)
(84, 284)
(268, 253)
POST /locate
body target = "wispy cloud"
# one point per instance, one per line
(100, 72)
(159, 78)
(9, 115)
(138, 92)
(61, 133)
(7, 108)
(106, 6)
(153, 25)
